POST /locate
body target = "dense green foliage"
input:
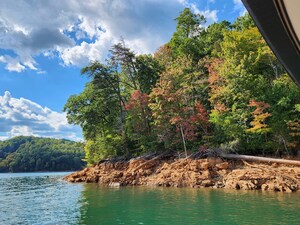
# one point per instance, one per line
(208, 87)
(27, 154)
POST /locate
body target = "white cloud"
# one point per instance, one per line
(81, 55)
(24, 117)
(210, 15)
(20, 131)
(12, 64)
(239, 6)
(82, 31)
(25, 38)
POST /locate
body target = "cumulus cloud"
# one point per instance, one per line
(82, 54)
(24, 117)
(82, 31)
(13, 64)
(26, 40)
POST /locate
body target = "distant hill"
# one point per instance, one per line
(28, 154)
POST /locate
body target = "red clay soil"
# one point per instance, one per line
(196, 173)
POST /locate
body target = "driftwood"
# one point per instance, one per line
(260, 159)
(151, 160)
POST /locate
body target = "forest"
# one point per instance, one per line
(209, 87)
(30, 154)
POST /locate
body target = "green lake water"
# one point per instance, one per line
(44, 198)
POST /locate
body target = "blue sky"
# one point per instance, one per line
(43, 45)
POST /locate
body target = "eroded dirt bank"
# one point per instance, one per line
(197, 173)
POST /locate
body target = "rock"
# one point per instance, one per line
(78, 180)
(147, 172)
(207, 183)
(117, 175)
(204, 165)
(114, 185)
(204, 175)
(219, 184)
(222, 166)
(294, 187)
(194, 165)
(288, 190)
(135, 163)
(134, 182)
(213, 161)
(92, 179)
(264, 187)
(149, 165)
(212, 172)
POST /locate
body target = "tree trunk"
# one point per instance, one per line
(260, 159)
(183, 141)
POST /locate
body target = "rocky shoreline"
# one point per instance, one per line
(196, 173)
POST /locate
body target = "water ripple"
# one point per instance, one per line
(39, 198)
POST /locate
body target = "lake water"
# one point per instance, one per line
(44, 198)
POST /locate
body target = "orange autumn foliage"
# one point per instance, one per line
(260, 116)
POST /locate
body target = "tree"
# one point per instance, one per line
(185, 38)
(245, 74)
(258, 123)
(148, 70)
(212, 37)
(103, 109)
(178, 113)
(219, 85)
(284, 97)
(244, 22)
(40, 154)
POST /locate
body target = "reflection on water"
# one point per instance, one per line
(43, 198)
(144, 205)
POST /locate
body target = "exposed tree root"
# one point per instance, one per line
(167, 170)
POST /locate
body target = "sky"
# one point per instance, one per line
(45, 43)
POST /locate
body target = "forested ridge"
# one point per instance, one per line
(209, 87)
(28, 154)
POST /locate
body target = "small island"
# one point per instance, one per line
(166, 170)
(166, 119)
